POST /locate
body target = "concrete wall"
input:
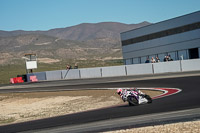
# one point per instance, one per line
(90, 72)
(190, 65)
(135, 69)
(40, 76)
(163, 67)
(139, 69)
(113, 71)
(71, 74)
(54, 75)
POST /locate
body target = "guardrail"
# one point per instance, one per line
(124, 70)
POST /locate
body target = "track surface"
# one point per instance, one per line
(188, 98)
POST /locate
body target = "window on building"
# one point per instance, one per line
(136, 61)
(193, 53)
(182, 55)
(143, 59)
(164, 33)
(128, 61)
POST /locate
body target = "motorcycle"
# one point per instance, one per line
(134, 98)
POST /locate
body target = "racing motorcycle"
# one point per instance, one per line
(134, 98)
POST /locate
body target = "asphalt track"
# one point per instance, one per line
(188, 98)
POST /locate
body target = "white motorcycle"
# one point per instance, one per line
(134, 98)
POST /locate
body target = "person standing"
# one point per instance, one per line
(147, 61)
(68, 67)
(169, 58)
(165, 59)
(157, 59)
(76, 66)
(153, 60)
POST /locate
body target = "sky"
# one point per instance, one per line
(31, 15)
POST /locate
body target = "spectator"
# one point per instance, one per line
(153, 60)
(169, 58)
(76, 66)
(147, 61)
(68, 67)
(157, 59)
(165, 59)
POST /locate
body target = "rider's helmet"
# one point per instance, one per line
(135, 89)
(119, 91)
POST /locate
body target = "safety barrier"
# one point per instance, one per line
(190, 65)
(139, 69)
(40, 76)
(164, 67)
(113, 71)
(70, 74)
(124, 70)
(90, 73)
(54, 75)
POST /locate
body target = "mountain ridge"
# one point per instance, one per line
(70, 33)
(96, 41)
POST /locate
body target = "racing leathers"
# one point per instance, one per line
(126, 92)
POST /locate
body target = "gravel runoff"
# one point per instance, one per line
(180, 127)
(21, 107)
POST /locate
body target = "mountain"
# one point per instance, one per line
(88, 31)
(83, 41)
(82, 32)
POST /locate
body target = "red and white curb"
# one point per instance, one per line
(166, 91)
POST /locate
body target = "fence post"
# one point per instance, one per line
(79, 73)
(125, 70)
(152, 68)
(101, 71)
(181, 65)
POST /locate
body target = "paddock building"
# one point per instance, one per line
(178, 37)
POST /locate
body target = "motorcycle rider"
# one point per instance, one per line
(124, 93)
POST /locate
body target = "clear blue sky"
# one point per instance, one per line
(49, 14)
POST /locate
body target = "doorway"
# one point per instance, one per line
(193, 53)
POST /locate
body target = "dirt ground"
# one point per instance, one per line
(20, 107)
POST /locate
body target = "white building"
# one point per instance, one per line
(177, 37)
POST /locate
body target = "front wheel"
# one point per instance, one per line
(132, 101)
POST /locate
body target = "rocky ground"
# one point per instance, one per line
(181, 127)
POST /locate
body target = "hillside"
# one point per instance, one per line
(100, 41)
(87, 31)
(84, 31)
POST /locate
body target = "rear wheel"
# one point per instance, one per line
(132, 101)
(148, 98)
